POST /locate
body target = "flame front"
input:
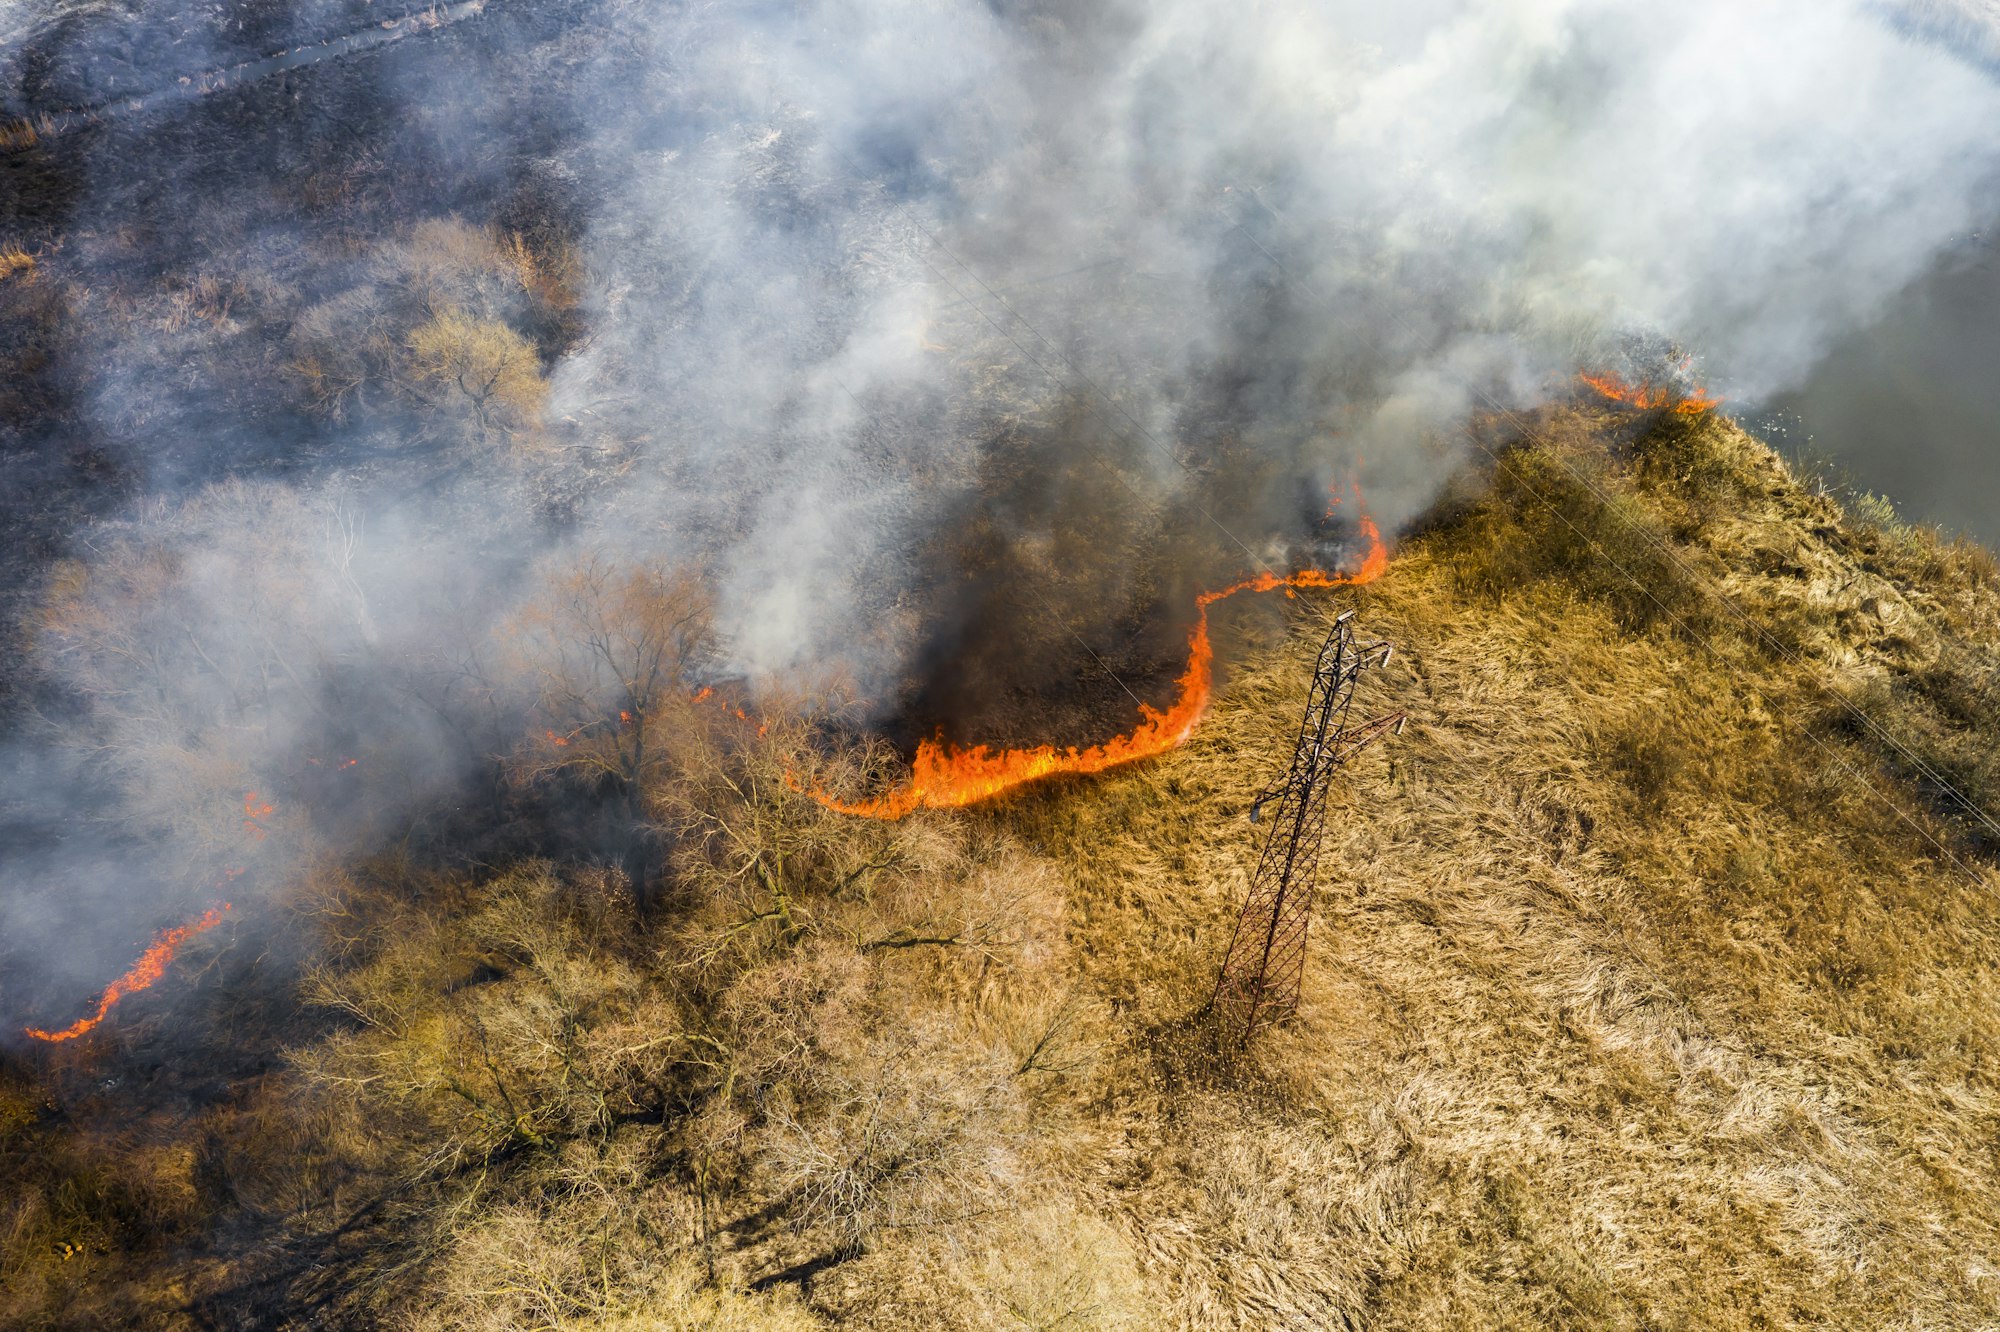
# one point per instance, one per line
(152, 965)
(1647, 397)
(943, 776)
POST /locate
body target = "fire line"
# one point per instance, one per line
(1646, 397)
(943, 776)
(152, 965)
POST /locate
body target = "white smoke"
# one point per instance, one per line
(1380, 218)
(1035, 284)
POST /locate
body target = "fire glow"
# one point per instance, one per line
(152, 965)
(943, 776)
(1647, 397)
(707, 693)
(254, 811)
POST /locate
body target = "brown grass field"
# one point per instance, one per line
(1648, 989)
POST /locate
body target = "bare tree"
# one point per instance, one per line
(613, 655)
(910, 1130)
(437, 321)
(480, 366)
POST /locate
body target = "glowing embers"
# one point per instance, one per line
(707, 693)
(255, 810)
(1651, 397)
(152, 965)
(943, 776)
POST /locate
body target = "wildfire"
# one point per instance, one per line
(629, 720)
(1647, 397)
(943, 776)
(706, 693)
(254, 810)
(1334, 497)
(152, 965)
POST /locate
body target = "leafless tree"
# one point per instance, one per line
(613, 654)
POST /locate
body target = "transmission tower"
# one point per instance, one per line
(1266, 962)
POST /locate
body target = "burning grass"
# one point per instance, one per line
(1630, 1003)
(147, 971)
(944, 776)
(1649, 397)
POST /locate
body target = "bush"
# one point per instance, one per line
(444, 322)
(478, 366)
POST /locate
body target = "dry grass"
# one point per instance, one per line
(16, 262)
(1629, 1004)
(1640, 995)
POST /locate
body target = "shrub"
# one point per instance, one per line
(478, 366)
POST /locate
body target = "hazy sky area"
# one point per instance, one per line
(1906, 404)
(1910, 404)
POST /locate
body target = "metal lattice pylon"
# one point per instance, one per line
(1266, 962)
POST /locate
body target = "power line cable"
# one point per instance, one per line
(1087, 648)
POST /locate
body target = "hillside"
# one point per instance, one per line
(1650, 988)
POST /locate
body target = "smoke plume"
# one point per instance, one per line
(958, 345)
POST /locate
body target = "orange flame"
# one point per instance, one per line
(152, 965)
(1647, 397)
(1334, 498)
(254, 809)
(943, 776)
(707, 692)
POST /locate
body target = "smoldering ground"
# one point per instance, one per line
(955, 346)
